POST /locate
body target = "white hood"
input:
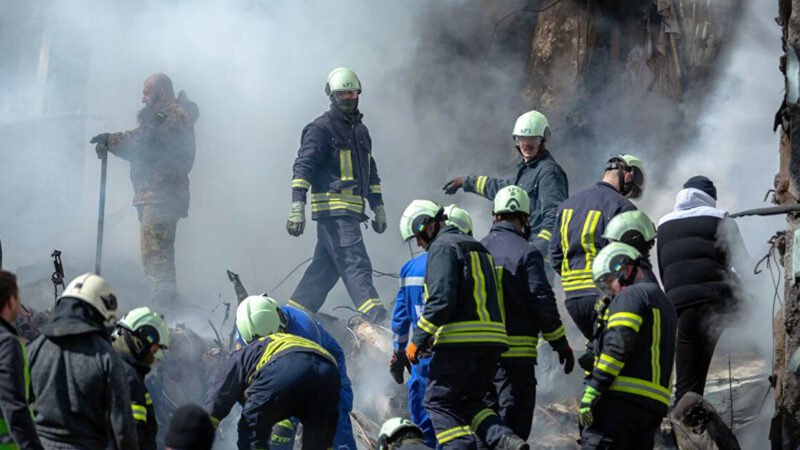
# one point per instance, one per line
(692, 202)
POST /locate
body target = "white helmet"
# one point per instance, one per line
(416, 215)
(459, 218)
(96, 291)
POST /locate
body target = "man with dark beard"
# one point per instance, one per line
(161, 153)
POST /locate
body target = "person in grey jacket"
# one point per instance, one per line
(80, 394)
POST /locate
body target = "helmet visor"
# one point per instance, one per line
(606, 282)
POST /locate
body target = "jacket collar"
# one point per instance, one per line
(692, 202)
(141, 368)
(73, 317)
(337, 115)
(542, 155)
(505, 227)
(603, 184)
(11, 328)
(449, 229)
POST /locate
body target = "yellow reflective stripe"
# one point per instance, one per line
(625, 319)
(609, 364)
(558, 333)
(425, 292)
(214, 421)
(579, 287)
(474, 325)
(374, 188)
(301, 183)
(333, 206)
(472, 331)
(520, 352)
(587, 236)
(478, 287)
(644, 388)
(345, 165)
(500, 297)
(426, 326)
(480, 184)
(566, 216)
(369, 304)
(466, 338)
(147, 399)
(294, 304)
(280, 342)
(655, 349)
(452, 433)
(139, 412)
(329, 196)
(544, 234)
(480, 417)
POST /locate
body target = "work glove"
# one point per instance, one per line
(297, 219)
(411, 353)
(397, 364)
(566, 359)
(282, 433)
(452, 186)
(101, 144)
(589, 399)
(379, 224)
(586, 361)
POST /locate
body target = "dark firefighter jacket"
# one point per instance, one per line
(546, 184)
(581, 221)
(161, 151)
(462, 307)
(144, 414)
(335, 162)
(80, 395)
(530, 306)
(241, 367)
(637, 347)
(17, 430)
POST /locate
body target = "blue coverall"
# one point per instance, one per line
(407, 309)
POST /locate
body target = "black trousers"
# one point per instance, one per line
(620, 425)
(340, 253)
(699, 329)
(299, 384)
(459, 378)
(514, 395)
(581, 309)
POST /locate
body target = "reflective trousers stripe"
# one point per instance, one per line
(452, 433)
(643, 388)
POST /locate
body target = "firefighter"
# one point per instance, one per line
(398, 433)
(276, 375)
(530, 307)
(335, 162)
(17, 430)
(628, 391)
(80, 395)
(581, 220)
(462, 322)
(161, 153)
(538, 174)
(298, 323)
(407, 307)
(140, 337)
(637, 230)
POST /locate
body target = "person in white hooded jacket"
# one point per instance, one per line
(697, 246)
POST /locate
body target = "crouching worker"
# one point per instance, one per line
(398, 433)
(139, 338)
(276, 376)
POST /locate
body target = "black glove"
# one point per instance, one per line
(566, 359)
(398, 364)
(586, 361)
(452, 186)
(101, 144)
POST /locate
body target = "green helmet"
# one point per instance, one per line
(96, 291)
(532, 123)
(458, 218)
(633, 228)
(148, 327)
(634, 165)
(391, 428)
(259, 316)
(611, 260)
(512, 199)
(416, 215)
(342, 79)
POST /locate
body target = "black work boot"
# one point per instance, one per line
(511, 442)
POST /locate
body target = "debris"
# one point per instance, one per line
(697, 425)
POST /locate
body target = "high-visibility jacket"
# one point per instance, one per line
(546, 184)
(581, 221)
(335, 162)
(530, 306)
(144, 414)
(410, 300)
(243, 365)
(463, 306)
(635, 349)
(16, 419)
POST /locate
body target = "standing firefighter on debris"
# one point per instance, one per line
(530, 308)
(463, 323)
(628, 390)
(408, 307)
(161, 154)
(139, 337)
(17, 430)
(538, 174)
(335, 162)
(80, 398)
